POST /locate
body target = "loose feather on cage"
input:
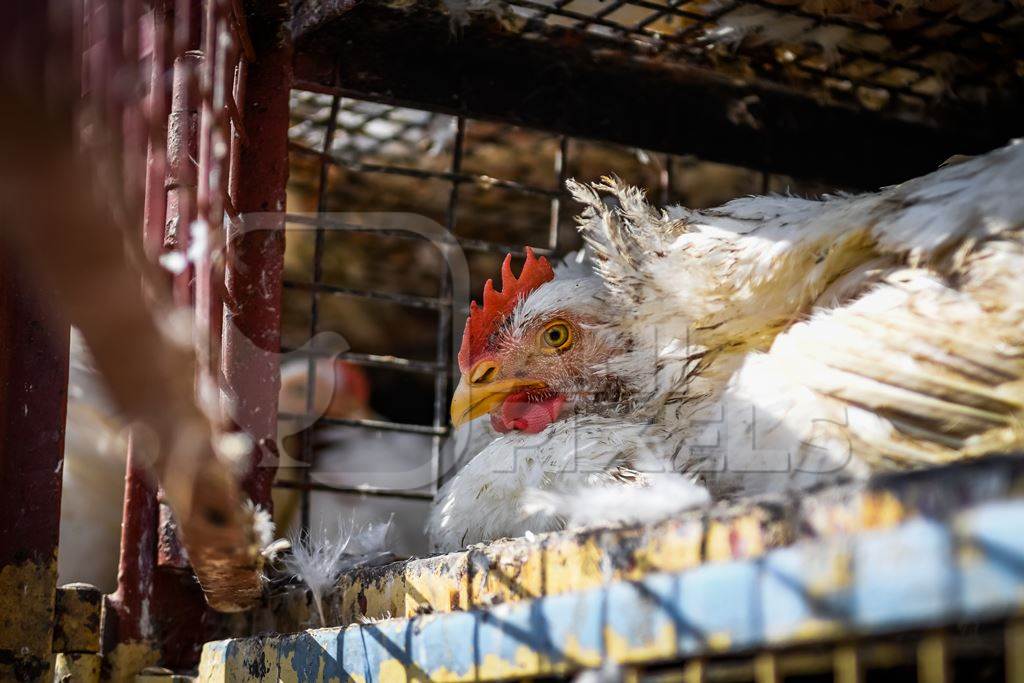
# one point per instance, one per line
(319, 557)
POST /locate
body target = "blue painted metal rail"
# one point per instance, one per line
(921, 574)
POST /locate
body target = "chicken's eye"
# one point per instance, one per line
(557, 336)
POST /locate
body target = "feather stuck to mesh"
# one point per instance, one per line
(497, 305)
(319, 557)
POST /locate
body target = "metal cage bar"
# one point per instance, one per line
(33, 387)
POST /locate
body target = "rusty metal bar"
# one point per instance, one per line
(181, 153)
(240, 139)
(33, 402)
(155, 203)
(242, 30)
(128, 627)
(148, 615)
(208, 309)
(170, 602)
(254, 261)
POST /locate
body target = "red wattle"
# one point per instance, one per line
(519, 413)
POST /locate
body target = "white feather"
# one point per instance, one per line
(319, 557)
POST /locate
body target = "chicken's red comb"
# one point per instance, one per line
(483, 319)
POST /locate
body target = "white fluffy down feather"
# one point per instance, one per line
(318, 557)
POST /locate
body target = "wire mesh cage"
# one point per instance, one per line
(880, 56)
(421, 133)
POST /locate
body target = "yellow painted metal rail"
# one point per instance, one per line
(922, 575)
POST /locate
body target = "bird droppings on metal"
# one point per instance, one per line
(878, 582)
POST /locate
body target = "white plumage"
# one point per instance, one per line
(771, 344)
(841, 322)
(569, 473)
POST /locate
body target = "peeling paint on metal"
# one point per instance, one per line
(125, 660)
(374, 593)
(909, 576)
(512, 570)
(506, 571)
(437, 584)
(77, 621)
(27, 597)
(573, 562)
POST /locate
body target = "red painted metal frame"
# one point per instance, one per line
(132, 613)
(196, 110)
(140, 169)
(255, 249)
(238, 171)
(33, 404)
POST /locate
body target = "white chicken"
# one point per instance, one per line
(771, 344)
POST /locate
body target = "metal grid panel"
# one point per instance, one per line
(878, 55)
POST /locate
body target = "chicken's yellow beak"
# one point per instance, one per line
(479, 392)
